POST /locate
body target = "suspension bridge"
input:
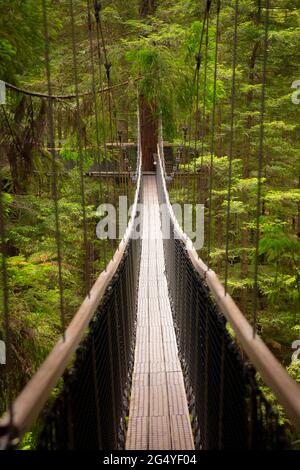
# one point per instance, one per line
(148, 361)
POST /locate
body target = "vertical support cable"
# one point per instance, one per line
(196, 176)
(97, 17)
(196, 80)
(93, 86)
(204, 31)
(80, 150)
(182, 179)
(107, 66)
(5, 306)
(213, 129)
(204, 89)
(260, 163)
(197, 73)
(54, 169)
(198, 60)
(97, 9)
(198, 65)
(232, 135)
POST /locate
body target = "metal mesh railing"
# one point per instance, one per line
(78, 398)
(229, 410)
(89, 411)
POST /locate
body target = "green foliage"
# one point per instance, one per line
(294, 371)
(27, 442)
(160, 50)
(74, 156)
(21, 37)
(6, 201)
(275, 244)
(34, 298)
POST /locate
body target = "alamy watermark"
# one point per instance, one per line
(2, 92)
(113, 223)
(2, 353)
(296, 94)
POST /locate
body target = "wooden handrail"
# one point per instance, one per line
(286, 390)
(27, 406)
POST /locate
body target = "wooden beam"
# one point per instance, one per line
(71, 96)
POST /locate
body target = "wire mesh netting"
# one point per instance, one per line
(229, 410)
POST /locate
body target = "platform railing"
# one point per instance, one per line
(80, 391)
(229, 409)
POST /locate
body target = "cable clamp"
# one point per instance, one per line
(107, 68)
(198, 58)
(97, 7)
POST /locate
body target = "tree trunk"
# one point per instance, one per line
(149, 133)
(147, 7)
(148, 111)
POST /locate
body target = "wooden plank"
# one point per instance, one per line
(159, 400)
(160, 433)
(140, 380)
(138, 434)
(181, 432)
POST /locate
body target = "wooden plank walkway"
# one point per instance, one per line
(158, 417)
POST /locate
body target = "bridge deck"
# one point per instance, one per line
(159, 417)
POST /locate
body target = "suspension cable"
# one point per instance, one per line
(54, 170)
(107, 66)
(97, 9)
(93, 85)
(206, 28)
(196, 81)
(260, 164)
(100, 78)
(232, 136)
(213, 129)
(198, 60)
(204, 90)
(80, 149)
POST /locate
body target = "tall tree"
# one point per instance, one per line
(148, 109)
